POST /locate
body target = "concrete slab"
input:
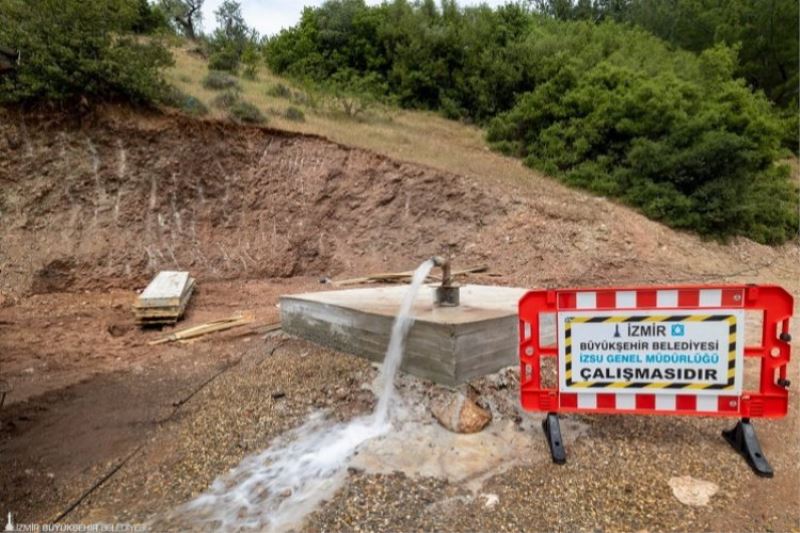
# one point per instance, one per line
(166, 289)
(447, 345)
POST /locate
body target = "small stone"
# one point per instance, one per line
(459, 414)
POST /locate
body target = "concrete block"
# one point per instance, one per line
(446, 345)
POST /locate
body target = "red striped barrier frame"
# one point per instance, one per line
(770, 401)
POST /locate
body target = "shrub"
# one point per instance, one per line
(218, 81)
(225, 99)
(294, 114)
(176, 98)
(249, 61)
(73, 49)
(246, 112)
(692, 152)
(603, 106)
(225, 57)
(279, 90)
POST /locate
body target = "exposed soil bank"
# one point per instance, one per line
(109, 202)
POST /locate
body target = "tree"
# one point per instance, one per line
(231, 39)
(250, 59)
(600, 104)
(149, 18)
(186, 15)
(231, 24)
(72, 49)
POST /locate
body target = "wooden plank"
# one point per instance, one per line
(205, 329)
(387, 277)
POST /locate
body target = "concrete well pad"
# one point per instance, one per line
(449, 345)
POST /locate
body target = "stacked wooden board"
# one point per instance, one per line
(165, 298)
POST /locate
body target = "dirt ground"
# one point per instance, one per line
(90, 210)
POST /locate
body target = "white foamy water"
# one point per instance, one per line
(275, 489)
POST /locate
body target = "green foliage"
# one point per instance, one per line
(351, 94)
(190, 105)
(764, 31)
(233, 42)
(246, 113)
(72, 48)
(185, 16)
(279, 90)
(294, 114)
(310, 97)
(250, 59)
(694, 151)
(217, 80)
(149, 19)
(604, 106)
(224, 56)
(226, 99)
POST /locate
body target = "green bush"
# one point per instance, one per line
(226, 58)
(604, 106)
(174, 97)
(218, 81)
(246, 112)
(294, 114)
(250, 59)
(279, 90)
(73, 49)
(225, 99)
(694, 152)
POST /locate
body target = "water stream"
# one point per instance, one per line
(275, 489)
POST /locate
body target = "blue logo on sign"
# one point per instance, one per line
(678, 330)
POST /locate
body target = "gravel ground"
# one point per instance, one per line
(616, 478)
(270, 391)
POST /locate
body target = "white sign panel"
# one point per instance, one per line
(651, 351)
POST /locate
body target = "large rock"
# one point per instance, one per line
(691, 491)
(460, 414)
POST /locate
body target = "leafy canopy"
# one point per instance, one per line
(602, 105)
(74, 48)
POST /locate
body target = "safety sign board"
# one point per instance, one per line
(651, 350)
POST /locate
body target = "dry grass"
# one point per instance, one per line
(414, 136)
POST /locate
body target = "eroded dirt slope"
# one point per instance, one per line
(109, 200)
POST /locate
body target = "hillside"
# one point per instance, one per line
(112, 202)
(93, 206)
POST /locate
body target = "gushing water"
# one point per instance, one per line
(276, 489)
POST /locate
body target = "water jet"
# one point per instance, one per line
(459, 332)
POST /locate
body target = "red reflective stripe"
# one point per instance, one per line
(645, 401)
(646, 299)
(686, 402)
(607, 401)
(689, 298)
(566, 300)
(568, 399)
(728, 403)
(606, 299)
(732, 298)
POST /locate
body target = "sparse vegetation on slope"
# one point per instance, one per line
(603, 106)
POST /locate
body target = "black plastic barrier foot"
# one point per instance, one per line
(744, 440)
(552, 430)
